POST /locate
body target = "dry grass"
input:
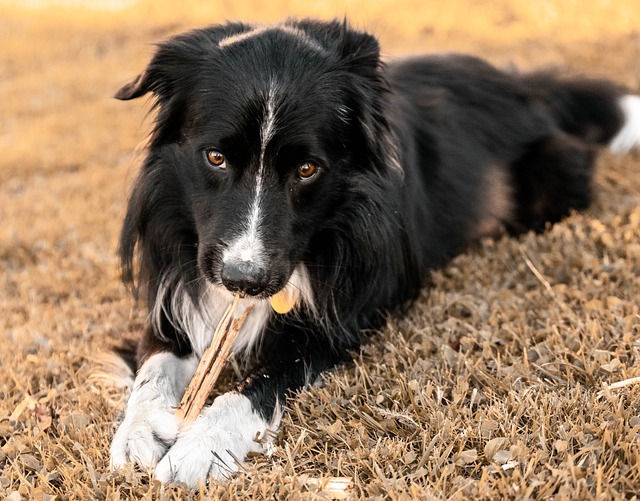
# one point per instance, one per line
(495, 385)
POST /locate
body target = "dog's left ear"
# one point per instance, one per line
(361, 52)
(361, 55)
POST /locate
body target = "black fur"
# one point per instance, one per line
(417, 159)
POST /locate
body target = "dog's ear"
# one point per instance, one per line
(175, 60)
(356, 49)
(139, 86)
(361, 56)
(360, 51)
(169, 64)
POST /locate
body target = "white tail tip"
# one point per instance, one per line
(628, 137)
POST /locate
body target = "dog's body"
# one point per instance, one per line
(289, 157)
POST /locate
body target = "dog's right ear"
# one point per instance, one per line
(167, 66)
(175, 59)
(171, 65)
(139, 86)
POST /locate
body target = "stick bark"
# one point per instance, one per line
(211, 364)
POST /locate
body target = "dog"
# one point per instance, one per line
(290, 158)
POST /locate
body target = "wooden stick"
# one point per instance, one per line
(626, 382)
(211, 364)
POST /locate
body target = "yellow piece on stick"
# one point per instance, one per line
(284, 301)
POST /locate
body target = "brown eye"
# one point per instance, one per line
(307, 170)
(215, 158)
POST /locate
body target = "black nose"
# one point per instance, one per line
(245, 277)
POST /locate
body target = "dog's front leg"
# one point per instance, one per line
(213, 445)
(245, 421)
(150, 426)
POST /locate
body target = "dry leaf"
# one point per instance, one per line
(44, 415)
(467, 457)
(493, 446)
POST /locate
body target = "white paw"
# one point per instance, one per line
(214, 444)
(195, 457)
(144, 437)
(150, 425)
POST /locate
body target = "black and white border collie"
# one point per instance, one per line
(290, 157)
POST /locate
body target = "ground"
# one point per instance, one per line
(511, 377)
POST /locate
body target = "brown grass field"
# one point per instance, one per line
(498, 384)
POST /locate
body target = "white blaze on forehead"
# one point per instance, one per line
(248, 246)
(256, 31)
(269, 121)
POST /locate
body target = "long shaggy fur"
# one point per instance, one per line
(414, 160)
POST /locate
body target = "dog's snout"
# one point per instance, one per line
(245, 277)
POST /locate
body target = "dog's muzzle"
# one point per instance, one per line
(244, 277)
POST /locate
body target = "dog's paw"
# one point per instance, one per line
(144, 437)
(199, 456)
(214, 444)
(150, 425)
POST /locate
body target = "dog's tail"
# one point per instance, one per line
(628, 136)
(555, 174)
(112, 373)
(597, 112)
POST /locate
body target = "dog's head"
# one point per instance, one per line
(261, 136)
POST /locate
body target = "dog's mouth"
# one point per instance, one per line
(284, 296)
(285, 286)
(282, 301)
(238, 275)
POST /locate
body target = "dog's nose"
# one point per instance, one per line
(245, 277)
